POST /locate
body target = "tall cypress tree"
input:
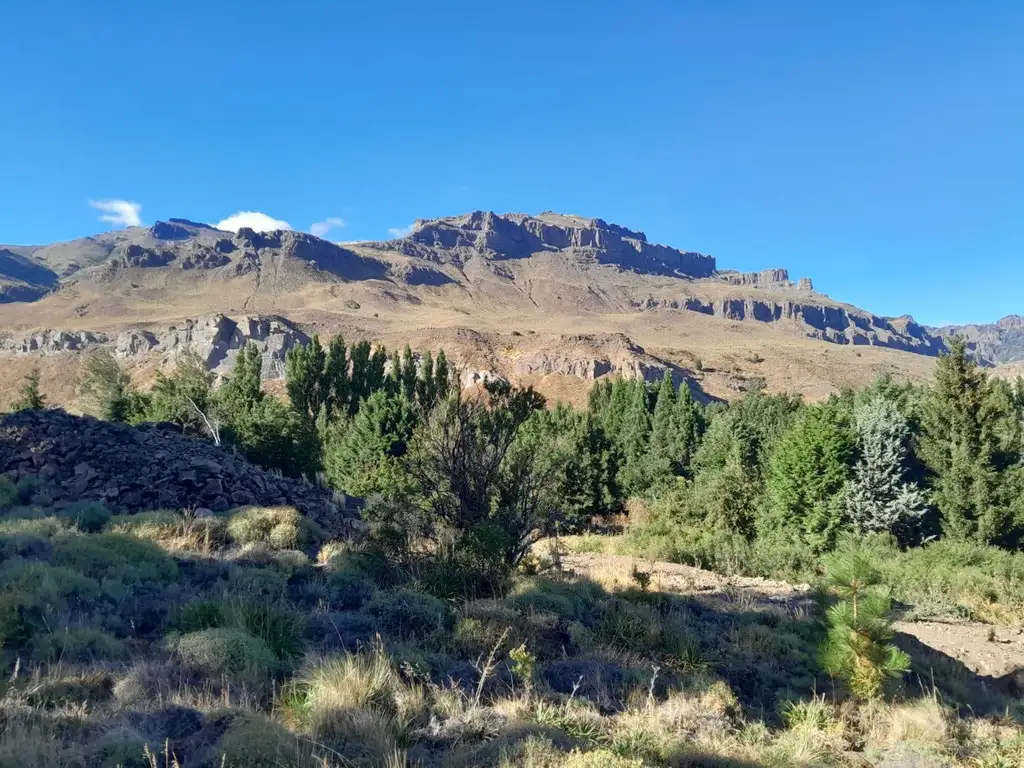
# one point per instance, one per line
(336, 375)
(443, 377)
(959, 445)
(304, 378)
(242, 390)
(426, 386)
(407, 378)
(359, 382)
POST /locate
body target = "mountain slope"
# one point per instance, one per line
(528, 286)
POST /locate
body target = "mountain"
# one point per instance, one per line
(998, 343)
(535, 297)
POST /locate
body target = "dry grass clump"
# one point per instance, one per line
(274, 527)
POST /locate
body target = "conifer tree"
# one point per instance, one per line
(426, 386)
(807, 472)
(959, 445)
(359, 383)
(443, 381)
(336, 384)
(30, 399)
(305, 378)
(241, 391)
(878, 498)
(858, 647)
(408, 374)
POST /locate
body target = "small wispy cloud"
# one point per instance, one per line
(400, 231)
(321, 228)
(122, 213)
(255, 220)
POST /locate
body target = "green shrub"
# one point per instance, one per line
(406, 614)
(87, 516)
(348, 591)
(254, 741)
(198, 615)
(90, 688)
(77, 645)
(277, 625)
(274, 527)
(9, 496)
(111, 556)
(31, 520)
(567, 600)
(226, 652)
(626, 626)
(34, 596)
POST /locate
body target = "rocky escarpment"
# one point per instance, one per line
(23, 278)
(830, 322)
(592, 355)
(517, 236)
(131, 469)
(767, 278)
(998, 342)
(216, 339)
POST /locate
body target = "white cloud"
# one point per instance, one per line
(400, 231)
(252, 219)
(120, 212)
(321, 228)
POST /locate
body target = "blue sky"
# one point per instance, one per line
(877, 147)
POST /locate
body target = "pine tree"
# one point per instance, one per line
(959, 445)
(858, 647)
(878, 498)
(807, 472)
(633, 434)
(31, 399)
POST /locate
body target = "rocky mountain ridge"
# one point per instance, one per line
(150, 291)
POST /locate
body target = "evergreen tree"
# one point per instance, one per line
(305, 378)
(337, 378)
(806, 474)
(675, 430)
(443, 378)
(30, 399)
(407, 374)
(634, 430)
(272, 434)
(858, 647)
(426, 385)
(878, 498)
(959, 444)
(241, 391)
(363, 457)
(359, 383)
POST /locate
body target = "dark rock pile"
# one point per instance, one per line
(150, 467)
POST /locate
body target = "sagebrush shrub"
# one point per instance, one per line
(275, 527)
(407, 614)
(226, 652)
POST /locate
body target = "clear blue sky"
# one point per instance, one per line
(877, 147)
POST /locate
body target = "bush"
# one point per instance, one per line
(253, 741)
(78, 645)
(226, 652)
(274, 527)
(276, 625)
(348, 591)
(113, 557)
(9, 496)
(405, 614)
(172, 529)
(88, 516)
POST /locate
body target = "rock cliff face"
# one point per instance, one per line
(999, 342)
(217, 339)
(829, 322)
(151, 467)
(592, 355)
(519, 236)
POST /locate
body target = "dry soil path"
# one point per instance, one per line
(986, 649)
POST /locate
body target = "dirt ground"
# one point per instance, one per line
(985, 649)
